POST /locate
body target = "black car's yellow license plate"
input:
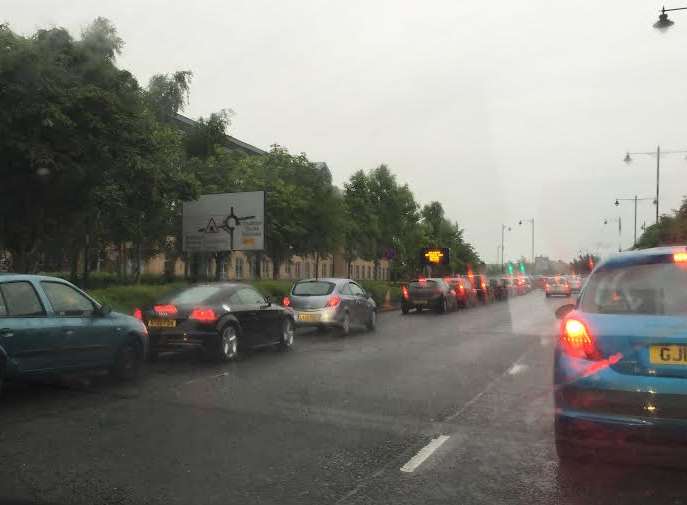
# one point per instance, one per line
(668, 354)
(162, 323)
(308, 317)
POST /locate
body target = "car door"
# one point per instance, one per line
(87, 337)
(266, 320)
(28, 335)
(360, 312)
(246, 315)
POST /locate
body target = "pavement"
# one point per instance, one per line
(453, 408)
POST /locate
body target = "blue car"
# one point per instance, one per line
(49, 326)
(620, 363)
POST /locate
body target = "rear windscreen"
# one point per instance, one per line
(313, 288)
(659, 288)
(196, 294)
(423, 284)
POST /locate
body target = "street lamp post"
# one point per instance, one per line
(503, 231)
(663, 22)
(635, 200)
(620, 232)
(531, 221)
(628, 160)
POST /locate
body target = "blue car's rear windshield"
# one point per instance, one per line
(313, 288)
(657, 288)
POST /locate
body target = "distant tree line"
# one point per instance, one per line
(670, 230)
(91, 162)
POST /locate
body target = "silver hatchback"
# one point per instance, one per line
(332, 302)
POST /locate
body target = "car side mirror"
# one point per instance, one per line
(104, 310)
(564, 310)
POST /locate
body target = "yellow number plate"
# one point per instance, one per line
(162, 323)
(668, 354)
(308, 317)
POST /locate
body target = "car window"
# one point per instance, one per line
(251, 297)
(196, 294)
(21, 299)
(639, 289)
(235, 298)
(313, 288)
(67, 301)
(357, 290)
(346, 289)
(3, 306)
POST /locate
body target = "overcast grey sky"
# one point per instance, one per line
(500, 110)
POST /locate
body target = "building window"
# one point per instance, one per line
(288, 268)
(357, 271)
(307, 269)
(298, 270)
(239, 268)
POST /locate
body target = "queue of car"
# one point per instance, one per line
(49, 326)
(445, 294)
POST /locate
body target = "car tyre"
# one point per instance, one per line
(227, 344)
(418, 308)
(442, 308)
(287, 331)
(127, 365)
(404, 309)
(153, 355)
(372, 321)
(346, 325)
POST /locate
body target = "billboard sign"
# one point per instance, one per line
(225, 222)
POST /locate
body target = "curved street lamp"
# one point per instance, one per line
(663, 22)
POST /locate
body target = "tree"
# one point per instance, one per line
(584, 263)
(360, 222)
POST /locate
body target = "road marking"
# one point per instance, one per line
(424, 453)
(517, 368)
(479, 395)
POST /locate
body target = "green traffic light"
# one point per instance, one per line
(522, 267)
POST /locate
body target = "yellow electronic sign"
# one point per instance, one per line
(434, 256)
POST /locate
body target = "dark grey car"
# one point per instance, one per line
(332, 302)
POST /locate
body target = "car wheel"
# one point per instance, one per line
(443, 306)
(127, 363)
(286, 341)
(346, 325)
(153, 356)
(227, 344)
(372, 321)
(419, 308)
(404, 309)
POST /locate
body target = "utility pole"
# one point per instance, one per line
(503, 230)
(635, 200)
(658, 171)
(531, 221)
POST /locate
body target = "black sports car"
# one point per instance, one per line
(219, 318)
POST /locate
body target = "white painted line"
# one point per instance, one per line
(424, 453)
(517, 368)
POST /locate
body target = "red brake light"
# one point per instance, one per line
(404, 290)
(484, 285)
(680, 257)
(165, 309)
(203, 315)
(286, 301)
(333, 301)
(138, 314)
(577, 341)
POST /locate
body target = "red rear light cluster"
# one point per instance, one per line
(167, 309)
(577, 341)
(203, 315)
(138, 314)
(404, 291)
(333, 301)
(286, 301)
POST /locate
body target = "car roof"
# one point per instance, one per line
(10, 276)
(334, 280)
(640, 257)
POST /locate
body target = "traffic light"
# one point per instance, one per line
(510, 268)
(522, 268)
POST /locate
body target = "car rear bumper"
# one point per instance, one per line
(329, 317)
(597, 407)
(181, 340)
(428, 302)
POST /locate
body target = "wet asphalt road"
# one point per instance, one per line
(332, 421)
